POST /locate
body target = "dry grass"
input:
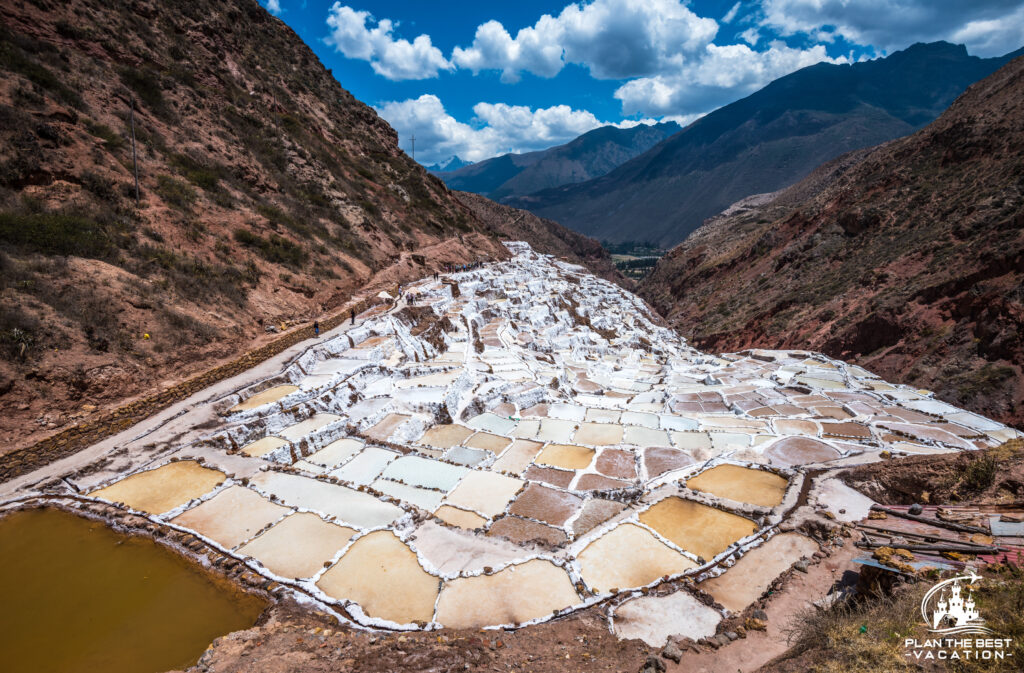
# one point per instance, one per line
(867, 636)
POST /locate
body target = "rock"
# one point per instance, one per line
(731, 635)
(652, 665)
(800, 565)
(915, 509)
(760, 614)
(672, 652)
(754, 624)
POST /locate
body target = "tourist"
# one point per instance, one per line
(352, 314)
(316, 328)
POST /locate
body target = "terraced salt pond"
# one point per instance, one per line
(526, 460)
(79, 597)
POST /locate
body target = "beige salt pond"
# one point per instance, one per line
(699, 529)
(299, 545)
(262, 447)
(382, 575)
(565, 456)
(629, 556)
(460, 518)
(598, 434)
(516, 594)
(232, 516)
(445, 436)
(742, 484)
(747, 580)
(161, 490)
(265, 397)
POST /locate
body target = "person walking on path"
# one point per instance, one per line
(316, 328)
(352, 313)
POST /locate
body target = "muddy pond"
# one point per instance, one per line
(78, 596)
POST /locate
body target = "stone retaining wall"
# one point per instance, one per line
(67, 442)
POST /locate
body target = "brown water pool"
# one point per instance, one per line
(78, 596)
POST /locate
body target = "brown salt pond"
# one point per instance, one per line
(78, 596)
(700, 529)
(742, 484)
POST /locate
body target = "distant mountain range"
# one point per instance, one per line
(907, 258)
(589, 156)
(762, 143)
(452, 163)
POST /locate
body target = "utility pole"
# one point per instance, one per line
(414, 147)
(135, 158)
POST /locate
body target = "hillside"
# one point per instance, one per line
(906, 259)
(589, 156)
(763, 143)
(268, 196)
(545, 236)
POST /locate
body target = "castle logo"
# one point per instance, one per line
(948, 608)
(956, 629)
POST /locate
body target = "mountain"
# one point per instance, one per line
(452, 163)
(591, 155)
(267, 195)
(764, 142)
(544, 236)
(907, 258)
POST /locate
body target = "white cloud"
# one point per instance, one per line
(722, 75)
(993, 37)
(274, 7)
(751, 36)
(614, 39)
(496, 128)
(395, 59)
(895, 24)
(731, 14)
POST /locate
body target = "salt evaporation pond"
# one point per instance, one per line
(80, 597)
(521, 462)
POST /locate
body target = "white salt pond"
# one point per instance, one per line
(518, 462)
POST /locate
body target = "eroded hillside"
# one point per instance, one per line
(907, 260)
(267, 194)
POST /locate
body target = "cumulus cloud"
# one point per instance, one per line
(614, 39)
(895, 24)
(274, 7)
(721, 75)
(395, 59)
(496, 128)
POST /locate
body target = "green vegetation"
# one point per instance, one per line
(16, 55)
(985, 381)
(175, 192)
(57, 234)
(275, 249)
(206, 177)
(146, 85)
(108, 135)
(17, 333)
(981, 473)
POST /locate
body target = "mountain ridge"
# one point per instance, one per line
(592, 154)
(763, 143)
(907, 258)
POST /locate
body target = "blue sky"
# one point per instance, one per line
(478, 79)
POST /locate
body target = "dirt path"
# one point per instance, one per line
(759, 647)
